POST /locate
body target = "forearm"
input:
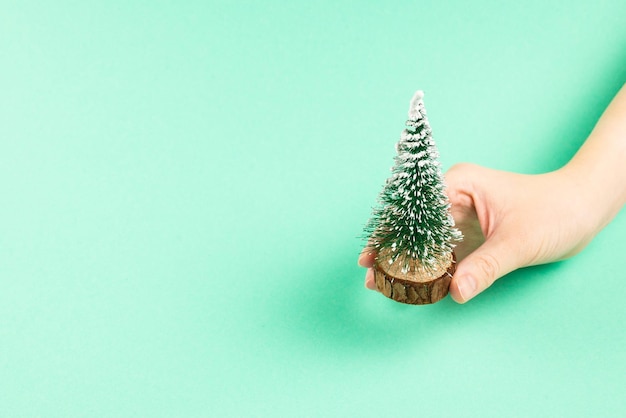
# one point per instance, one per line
(599, 167)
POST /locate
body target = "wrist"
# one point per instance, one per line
(597, 189)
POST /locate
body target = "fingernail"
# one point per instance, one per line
(467, 287)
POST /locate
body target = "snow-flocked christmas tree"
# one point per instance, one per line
(412, 224)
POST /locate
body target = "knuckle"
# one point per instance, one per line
(460, 169)
(462, 176)
(489, 267)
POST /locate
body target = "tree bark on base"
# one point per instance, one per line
(411, 288)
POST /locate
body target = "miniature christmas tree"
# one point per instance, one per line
(412, 230)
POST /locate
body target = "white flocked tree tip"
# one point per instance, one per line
(413, 105)
(419, 95)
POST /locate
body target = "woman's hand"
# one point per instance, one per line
(515, 220)
(510, 221)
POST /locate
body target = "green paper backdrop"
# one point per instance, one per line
(183, 185)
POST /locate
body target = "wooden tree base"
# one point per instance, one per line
(415, 287)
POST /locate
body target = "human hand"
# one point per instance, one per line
(510, 221)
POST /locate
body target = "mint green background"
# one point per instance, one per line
(183, 185)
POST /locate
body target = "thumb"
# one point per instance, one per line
(492, 260)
